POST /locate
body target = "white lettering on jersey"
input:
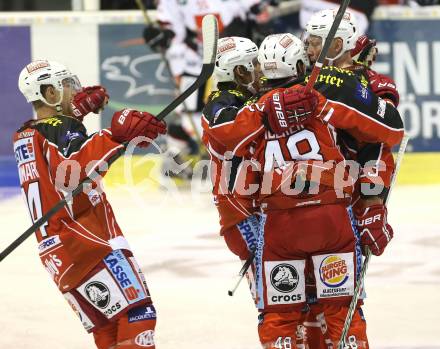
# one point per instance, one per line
(24, 150)
(28, 172)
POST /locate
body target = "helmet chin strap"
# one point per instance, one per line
(57, 104)
(249, 86)
(333, 59)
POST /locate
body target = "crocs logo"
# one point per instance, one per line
(284, 278)
(98, 294)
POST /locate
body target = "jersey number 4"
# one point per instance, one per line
(34, 204)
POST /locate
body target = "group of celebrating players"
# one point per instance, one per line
(309, 216)
(299, 179)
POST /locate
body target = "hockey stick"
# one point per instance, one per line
(148, 21)
(312, 79)
(328, 40)
(210, 36)
(242, 273)
(355, 299)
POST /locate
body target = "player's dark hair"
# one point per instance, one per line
(300, 68)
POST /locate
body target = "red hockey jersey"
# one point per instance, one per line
(53, 155)
(313, 149)
(223, 107)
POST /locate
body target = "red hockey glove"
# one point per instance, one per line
(383, 86)
(89, 99)
(128, 124)
(291, 107)
(365, 51)
(372, 225)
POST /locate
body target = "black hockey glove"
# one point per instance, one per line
(191, 40)
(157, 38)
(259, 7)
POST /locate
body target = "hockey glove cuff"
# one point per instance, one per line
(374, 229)
(289, 108)
(128, 124)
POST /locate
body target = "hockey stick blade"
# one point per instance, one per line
(328, 40)
(210, 37)
(242, 273)
(231, 292)
(359, 283)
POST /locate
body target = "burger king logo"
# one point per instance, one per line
(333, 271)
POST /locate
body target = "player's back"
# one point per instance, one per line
(311, 151)
(52, 155)
(302, 166)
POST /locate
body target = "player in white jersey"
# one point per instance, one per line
(179, 36)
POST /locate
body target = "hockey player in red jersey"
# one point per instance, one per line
(291, 134)
(283, 59)
(357, 54)
(82, 246)
(238, 75)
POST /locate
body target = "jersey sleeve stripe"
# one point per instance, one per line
(367, 116)
(102, 242)
(213, 152)
(245, 139)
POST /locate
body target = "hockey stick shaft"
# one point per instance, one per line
(58, 206)
(210, 36)
(44, 218)
(328, 40)
(148, 21)
(360, 281)
(141, 6)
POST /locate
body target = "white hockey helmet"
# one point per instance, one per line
(279, 54)
(321, 22)
(233, 51)
(44, 72)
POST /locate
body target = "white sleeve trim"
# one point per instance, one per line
(365, 115)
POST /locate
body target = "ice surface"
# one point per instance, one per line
(189, 271)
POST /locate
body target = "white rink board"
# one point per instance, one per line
(76, 46)
(189, 271)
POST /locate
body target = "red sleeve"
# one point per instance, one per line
(380, 169)
(247, 126)
(363, 127)
(70, 152)
(86, 158)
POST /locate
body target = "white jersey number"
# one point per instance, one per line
(305, 137)
(283, 343)
(34, 204)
